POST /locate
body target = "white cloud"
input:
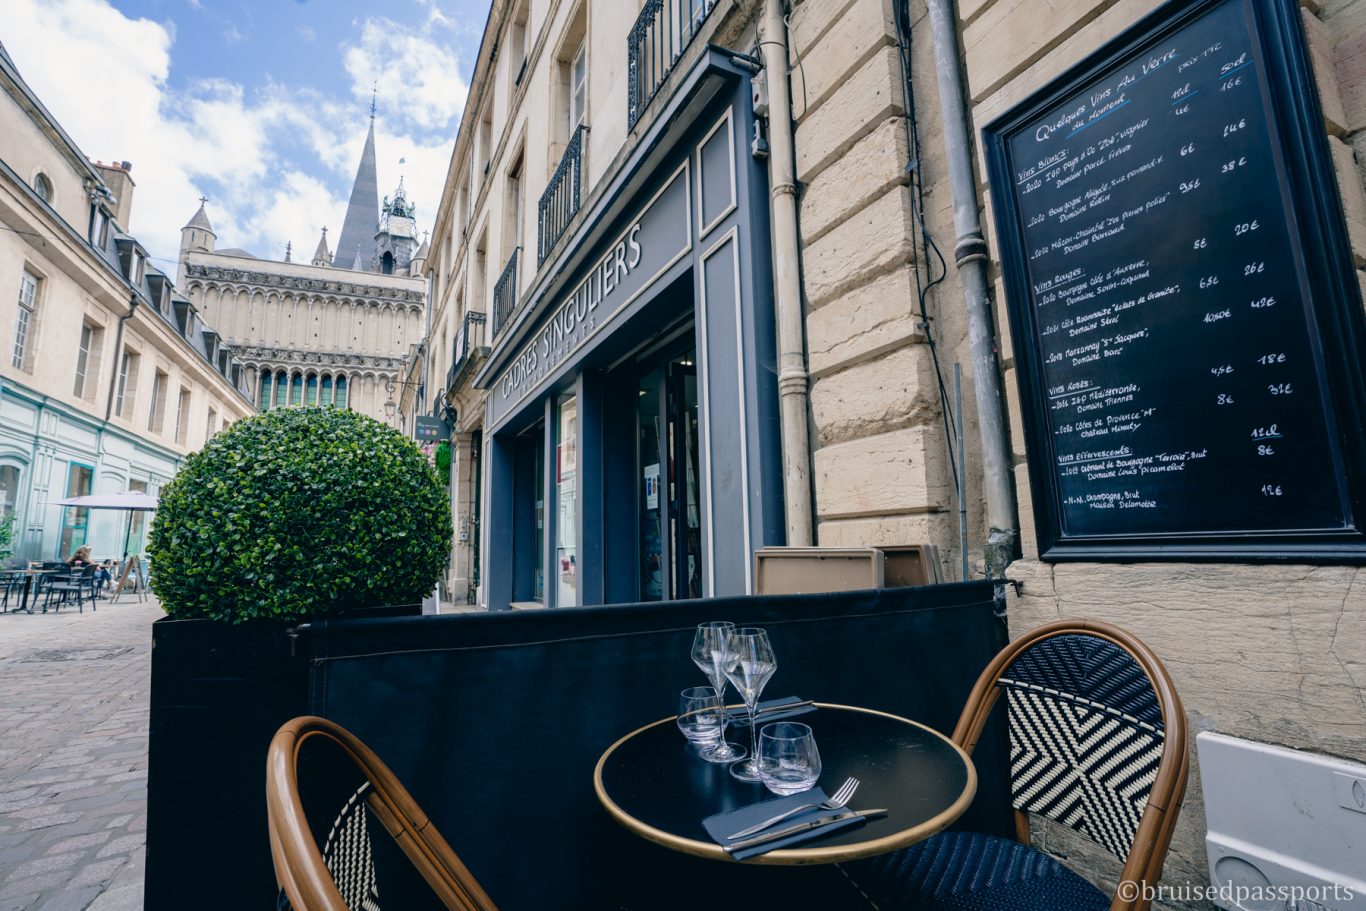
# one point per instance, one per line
(276, 160)
(417, 75)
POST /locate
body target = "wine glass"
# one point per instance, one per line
(749, 665)
(709, 652)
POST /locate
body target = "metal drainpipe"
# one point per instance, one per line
(118, 355)
(792, 376)
(970, 255)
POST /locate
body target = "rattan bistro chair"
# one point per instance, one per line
(1097, 743)
(341, 875)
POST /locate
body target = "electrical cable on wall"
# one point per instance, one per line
(902, 14)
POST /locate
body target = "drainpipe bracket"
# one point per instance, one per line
(969, 248)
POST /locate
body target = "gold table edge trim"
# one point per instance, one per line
(796, 856)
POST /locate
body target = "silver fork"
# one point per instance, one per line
(837, 801)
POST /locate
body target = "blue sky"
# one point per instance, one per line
(262, 105)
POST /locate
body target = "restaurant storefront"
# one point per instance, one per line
(631, 442)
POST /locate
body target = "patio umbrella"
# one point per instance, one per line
(131, 500)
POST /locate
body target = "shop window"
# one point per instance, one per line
(566, 499)
(80, 481)
(9, 489)
(138, 526)
(528, 551)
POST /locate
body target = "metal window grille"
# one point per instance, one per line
(654, 45)
(562, 196)
(467, 340)
(505, 293)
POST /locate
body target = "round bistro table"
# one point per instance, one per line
(653, 782)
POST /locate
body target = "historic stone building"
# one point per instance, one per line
(333, 330)
(584, 120)
(109, 378)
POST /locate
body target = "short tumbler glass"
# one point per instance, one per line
(699, 715)
(788, 759)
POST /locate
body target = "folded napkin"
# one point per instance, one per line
(771, 710)
(722, 824)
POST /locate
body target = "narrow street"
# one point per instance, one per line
(73, 757)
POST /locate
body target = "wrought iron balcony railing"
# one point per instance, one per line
(661, 34)
(468, 340)
(561, 198)
(505, 294)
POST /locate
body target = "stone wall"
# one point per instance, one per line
(1271, 653)
(881, 465)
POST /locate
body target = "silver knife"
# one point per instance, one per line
(799, 827)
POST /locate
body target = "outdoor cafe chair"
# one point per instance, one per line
(1097, 743)
(80, 584)
(325, 787)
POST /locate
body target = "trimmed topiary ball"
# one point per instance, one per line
(299, 512)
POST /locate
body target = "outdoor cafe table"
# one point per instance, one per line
(28, 575)
(653, 782)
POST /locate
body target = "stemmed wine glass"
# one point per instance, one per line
(709, 652)
(749, 665)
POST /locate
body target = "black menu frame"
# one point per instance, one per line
(1318, 236)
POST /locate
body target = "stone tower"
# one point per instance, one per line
(397, 235)
(196, 237)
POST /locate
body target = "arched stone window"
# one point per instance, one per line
(281, 389)
(43, 187)
(341, 392)
(325, 394)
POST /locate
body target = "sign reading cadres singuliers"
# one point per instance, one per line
(1181, 297)
(654, 240)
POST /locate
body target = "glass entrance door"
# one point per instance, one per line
(668, 489)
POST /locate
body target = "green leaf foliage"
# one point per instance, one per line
(299, 512)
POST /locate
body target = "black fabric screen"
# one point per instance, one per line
(495, 721)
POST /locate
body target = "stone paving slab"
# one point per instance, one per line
(73, 757)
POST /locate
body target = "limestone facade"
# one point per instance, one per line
(334, 331)
(310, 334)
(1271, 653)
(108, 380)
(549, 96)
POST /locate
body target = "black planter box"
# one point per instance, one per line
(494, 723)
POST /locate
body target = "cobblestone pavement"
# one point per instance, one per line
(73, 757)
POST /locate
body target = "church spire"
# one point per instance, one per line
(321, 256)
(362, 212)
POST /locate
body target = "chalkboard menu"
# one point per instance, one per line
(1186, 321)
